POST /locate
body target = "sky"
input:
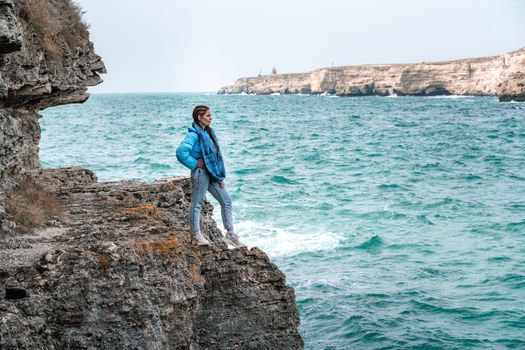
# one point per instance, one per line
(201, 45)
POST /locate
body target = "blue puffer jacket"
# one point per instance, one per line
(189, 151)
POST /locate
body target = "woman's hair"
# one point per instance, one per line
(199, 111)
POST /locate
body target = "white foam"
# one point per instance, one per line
(242, 93)
(275, 94)
(327, 94)
(277, 241)
(450, 96)
(391, 93)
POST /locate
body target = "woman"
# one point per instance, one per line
(200, 152)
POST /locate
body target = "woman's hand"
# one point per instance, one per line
(222, 184)
(200, 163)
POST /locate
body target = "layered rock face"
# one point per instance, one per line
(123, 272)
(498, 75)
(118, 269)
(511, 86)
(10, 30)
(46, 59)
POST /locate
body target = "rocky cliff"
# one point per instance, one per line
(503, 76)
(121, 271)
(114, 264)
(46, 59)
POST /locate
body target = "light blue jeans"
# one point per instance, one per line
(200, 184)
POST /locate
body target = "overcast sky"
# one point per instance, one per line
(201, 45)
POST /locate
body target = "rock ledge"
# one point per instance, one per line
(122, 271)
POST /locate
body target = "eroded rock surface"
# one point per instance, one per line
(10, 29)
(511, 86)
(122, 271)
(497, 75)
(46, 59)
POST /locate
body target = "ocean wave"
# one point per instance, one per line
(516, 207)
(514, 227)
(434, 306)
(158, 166)
(516, 280)
(141, 160)
(499, 259)
(246, 171)
(429, 272)
(278, 242)
(392, 186)
(471, 177)
(424, 219)
(239, 94)
(444, 202)
(283, 180)
(372, 245)
(450, 96)
(383, 214)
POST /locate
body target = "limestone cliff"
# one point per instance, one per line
(503, 76)
(46, 59)
(117, 268)
(47, 56)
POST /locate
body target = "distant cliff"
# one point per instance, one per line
(503, 76)
(95, 265)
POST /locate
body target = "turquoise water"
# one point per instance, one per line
(400, 222)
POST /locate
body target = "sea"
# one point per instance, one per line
(399, 221)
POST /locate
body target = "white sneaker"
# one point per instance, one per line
(233, 240)
(232, 235)
(201, 240)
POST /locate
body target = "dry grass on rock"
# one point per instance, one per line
(58, 23)
(31, 205)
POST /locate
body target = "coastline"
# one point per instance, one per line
(500, 76)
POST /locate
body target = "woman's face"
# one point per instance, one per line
(205, 120)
